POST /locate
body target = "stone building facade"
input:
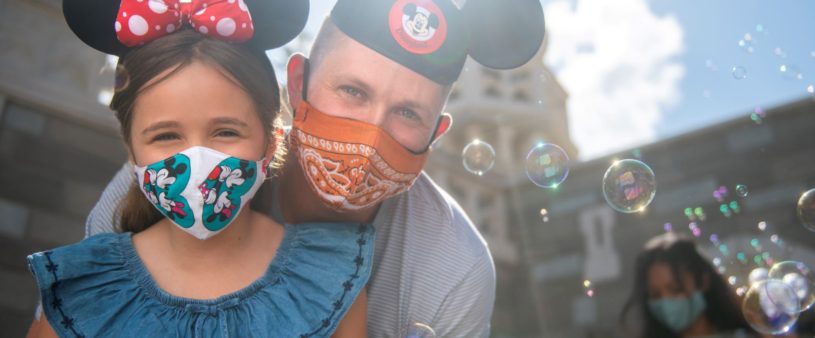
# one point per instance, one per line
(512, 110)
(58, 145)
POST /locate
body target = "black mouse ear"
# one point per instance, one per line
(504, 34)
(409, 9)
(93, 22)
(434, 21)
(276, 21)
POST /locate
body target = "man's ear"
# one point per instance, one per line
(445, 122)
(295, 72)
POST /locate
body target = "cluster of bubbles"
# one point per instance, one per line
(748, 43)
(588, 288)
(419, 330)
(695, 229)
(629, 186)
(776, 296)
(547, 165)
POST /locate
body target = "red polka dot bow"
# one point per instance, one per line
(142, 21)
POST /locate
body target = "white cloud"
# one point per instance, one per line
(617, 61)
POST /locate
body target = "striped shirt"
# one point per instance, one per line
(431, 266)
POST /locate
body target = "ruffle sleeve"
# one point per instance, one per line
(79, 282)
(325, 268)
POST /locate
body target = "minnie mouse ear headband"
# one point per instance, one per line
(434, 37)
(116, 26)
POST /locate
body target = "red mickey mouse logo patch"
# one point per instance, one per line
(418, 26)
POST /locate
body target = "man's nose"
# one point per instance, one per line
(377, 115)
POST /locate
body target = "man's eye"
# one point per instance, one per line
(409, 114)
(165, 137)
(351, 91)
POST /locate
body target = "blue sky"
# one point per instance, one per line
(638, 71)
(712, 31)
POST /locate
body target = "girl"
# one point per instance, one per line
(198, 115)
(678, 293)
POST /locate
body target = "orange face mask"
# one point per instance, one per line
(350, 164)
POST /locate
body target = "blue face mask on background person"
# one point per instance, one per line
(678, 313)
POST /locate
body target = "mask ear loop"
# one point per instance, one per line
(304, 88)
(432, 135)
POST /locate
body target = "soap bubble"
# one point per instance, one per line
(798, 277)
(419, 330)
(478, 157)
(547, 165)
(739, 73)
(811, 89)
(629, 186)
(758, 115)
(757, 275)
(806, 209)
(742, 190)
(770, 307)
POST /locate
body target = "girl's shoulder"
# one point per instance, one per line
(97, 286)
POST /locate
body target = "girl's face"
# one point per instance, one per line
(662, 284)
(196, 106)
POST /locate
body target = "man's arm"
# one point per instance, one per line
(103, 217)
(467, 309)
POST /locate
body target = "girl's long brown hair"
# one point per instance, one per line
(250, 69)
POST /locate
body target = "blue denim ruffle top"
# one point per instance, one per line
(100, 288)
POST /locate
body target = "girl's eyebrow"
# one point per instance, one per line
(160, 125)
(229, 121)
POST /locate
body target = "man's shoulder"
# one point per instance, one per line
(428, 209)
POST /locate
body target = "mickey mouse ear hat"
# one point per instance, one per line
(116, 26)
(434, 37)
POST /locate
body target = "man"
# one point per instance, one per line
(367, 106)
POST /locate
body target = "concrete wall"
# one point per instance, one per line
(58, 145)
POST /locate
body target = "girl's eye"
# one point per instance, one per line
(227, 133)
(165, 137)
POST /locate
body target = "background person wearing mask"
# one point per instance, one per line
(678, 293)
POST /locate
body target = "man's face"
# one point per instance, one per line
(355, 82)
